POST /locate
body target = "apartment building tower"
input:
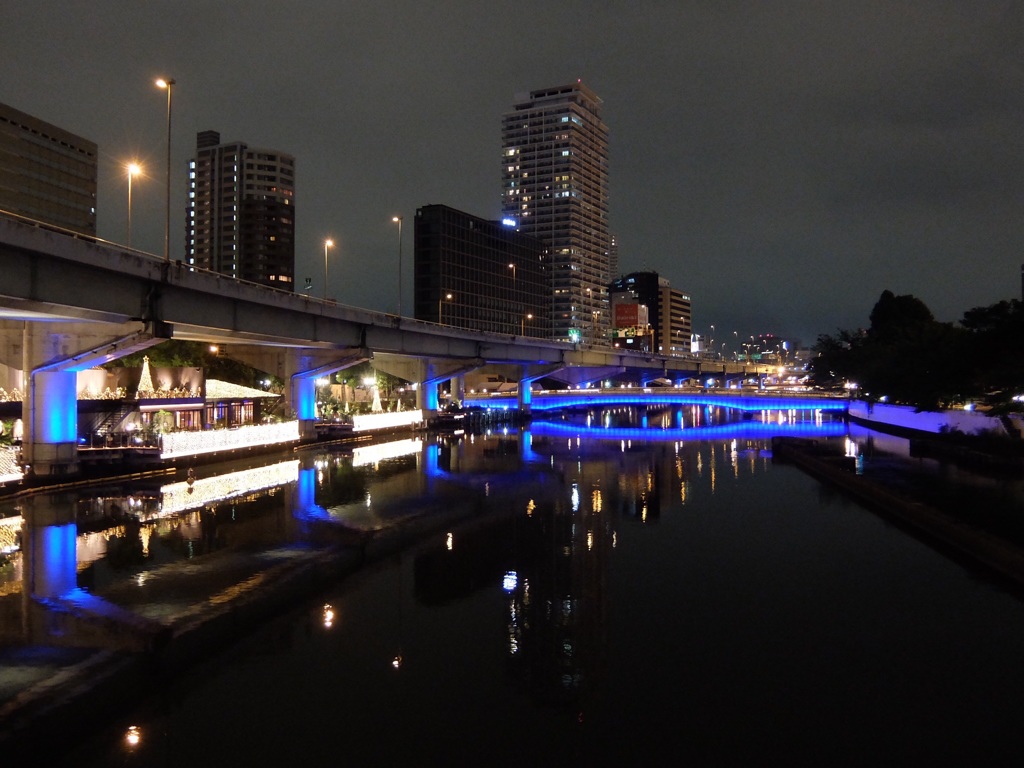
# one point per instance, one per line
(241, 212)
(555, 188)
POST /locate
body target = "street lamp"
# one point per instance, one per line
(513, 268)
(169, 85)
(522, 324)
(133, 169)
(328, 243)
(398, 220)
(447, 296)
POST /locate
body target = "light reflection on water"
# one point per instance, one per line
(601, 598)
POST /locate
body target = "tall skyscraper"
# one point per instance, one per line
(241, 212)
(46, 173)
(555, 188)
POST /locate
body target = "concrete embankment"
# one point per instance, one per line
(944, 530)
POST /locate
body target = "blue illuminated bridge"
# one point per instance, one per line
(750, 402)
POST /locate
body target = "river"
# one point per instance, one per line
(652, 591)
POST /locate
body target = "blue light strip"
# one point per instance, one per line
(748, 403)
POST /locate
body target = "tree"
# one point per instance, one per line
(905, 356)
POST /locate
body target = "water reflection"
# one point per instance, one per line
(584, 592)
(123, 547)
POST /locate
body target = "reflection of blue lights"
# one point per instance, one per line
(748, 403)
(510, 581)
(431, 468)
(56, 559)
(306, 507)
(752, 430)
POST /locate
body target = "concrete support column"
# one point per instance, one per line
(525, 395)
(49, 407)
(426, 398)
(459, 388)
(304, 404)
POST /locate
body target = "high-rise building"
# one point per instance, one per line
(479, 274)
(241, 212)
(46, 173)
(555, 188)
(650, 315)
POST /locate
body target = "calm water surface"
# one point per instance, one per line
(631, 601)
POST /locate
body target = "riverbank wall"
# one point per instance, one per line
(948, 533)
(905, 417)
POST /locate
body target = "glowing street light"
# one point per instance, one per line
(328, 243)
(447, 297)
(398, 220)
(168, 84)
(522, 324)
(513, 268)
(132, 169)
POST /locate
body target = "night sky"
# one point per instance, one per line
(782, 162)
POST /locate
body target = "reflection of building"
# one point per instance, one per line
(555, 187)
(478, 274)
(241, 212)
(46, 173)
(664, 327)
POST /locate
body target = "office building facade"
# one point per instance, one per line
(46, 173)
(478, 274)
(241, 212)
(649, 315)
(555, 188)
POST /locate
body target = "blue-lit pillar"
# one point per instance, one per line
(426, 390)
(50, 404)
(525, 397)
(303, 393)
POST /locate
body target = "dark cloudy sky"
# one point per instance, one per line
(783, 162)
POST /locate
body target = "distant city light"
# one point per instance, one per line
(508, 222)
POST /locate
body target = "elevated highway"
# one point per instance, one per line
(68, 303)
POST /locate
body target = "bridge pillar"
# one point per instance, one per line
(49, 406)
(426, 397)
(52, 356)
(525, 395)
(527, 375)
(303, 367)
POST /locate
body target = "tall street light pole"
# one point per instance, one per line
(168, 84)
(133, 169)
(398, 220)
(328, 243)
(522, 324)
(447, 296)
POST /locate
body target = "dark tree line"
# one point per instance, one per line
(907, 356)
